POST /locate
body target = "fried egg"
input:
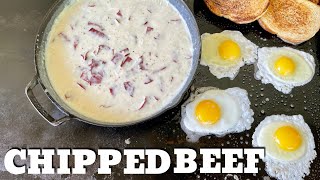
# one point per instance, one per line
(284, 68)
(211, 111)
(226, 52)
(289, 145)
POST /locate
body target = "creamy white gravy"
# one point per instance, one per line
(118, 60)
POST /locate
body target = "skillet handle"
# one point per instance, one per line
(35, 103)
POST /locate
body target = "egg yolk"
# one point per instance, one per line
(229, 50)
(285, 66)
(288, 138)
(208, 112)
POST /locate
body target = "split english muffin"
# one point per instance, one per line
(315, 1)
(293, 21)
(238, 11)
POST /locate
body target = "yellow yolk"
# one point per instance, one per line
(285, 66)
(208, 112)
(288, 138)
(229, 50)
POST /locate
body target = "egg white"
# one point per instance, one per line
(279, 163)
(221, 68)
(236, 114)
(305, 68)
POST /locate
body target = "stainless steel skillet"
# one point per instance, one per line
(41, 78)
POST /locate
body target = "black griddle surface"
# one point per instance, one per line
(23, 127)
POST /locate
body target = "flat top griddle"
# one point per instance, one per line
(22, 127)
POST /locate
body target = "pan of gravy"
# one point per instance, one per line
(117, 62)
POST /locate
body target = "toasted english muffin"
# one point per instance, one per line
(315, 1)
(293, 21)
(238, 11)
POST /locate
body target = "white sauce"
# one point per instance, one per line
(118, 60)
